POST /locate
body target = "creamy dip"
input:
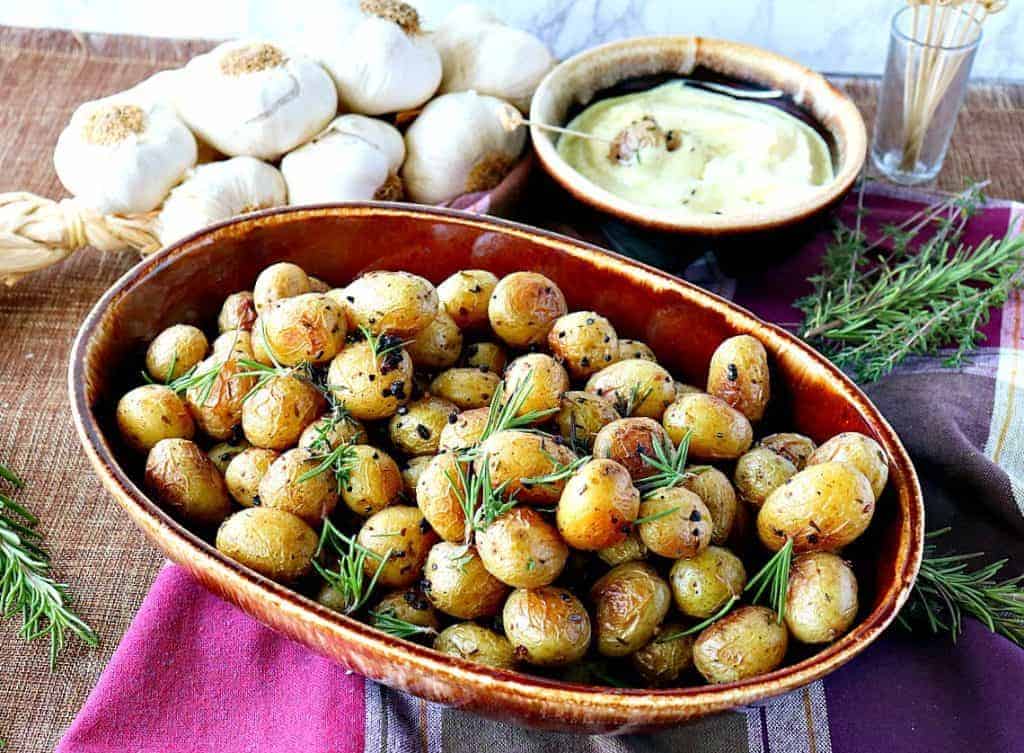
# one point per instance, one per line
(683, 148)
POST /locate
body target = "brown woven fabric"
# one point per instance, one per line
(43, 76)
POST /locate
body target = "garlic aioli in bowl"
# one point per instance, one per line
(679, 147)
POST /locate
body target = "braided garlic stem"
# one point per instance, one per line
(36, 233)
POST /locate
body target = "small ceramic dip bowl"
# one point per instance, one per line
(637, 64)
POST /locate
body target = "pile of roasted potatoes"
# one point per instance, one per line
(474, 466)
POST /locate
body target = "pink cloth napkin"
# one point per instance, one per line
(195, 674)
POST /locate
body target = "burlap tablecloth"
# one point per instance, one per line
(43, 76)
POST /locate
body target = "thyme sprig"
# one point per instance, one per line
(669, 462)
(349, 579)
(912, 291)
(946, 590)
(26, 582)
(399, 628)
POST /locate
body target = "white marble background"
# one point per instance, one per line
(839, 36)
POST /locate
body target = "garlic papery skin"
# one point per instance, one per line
(383, 62)
(122, 154)
(480, 53)
(459, 144)
(254, 98)
(355, 158)
(218, 191)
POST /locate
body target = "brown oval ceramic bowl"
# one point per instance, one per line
(187, 282)
(577, 81)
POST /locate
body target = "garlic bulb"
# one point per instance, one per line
(481, 53)
(459, 144)
(383, 62)
(355, 158)
(122, 154)
(218, 191)
(253, 98)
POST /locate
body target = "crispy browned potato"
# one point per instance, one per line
(150, 413)
(245, 472)
(522, 549)
(402, 531)
(394, 303)
(281, 280)
(759, 472)
(438, 345)
(584, 341)
(473, 642)
(458, 584)
(307, 328)
(547, 626)
(183, 479)
(581, 415)
(823, 508)
(374, 481)
(465, 296)
(636, 387)
(274, 543)
(312, 499)
(674, 523)
(821, 602)
(516, 458)
(523, 307)
(739, 375)
(796, 448)
(238, 312)
(745, 643)
(664, 659)
(484, 355)
(467, 388)
(174, 351)
(717, 494)
(717, 430)
(702, 585)
(416, 428)
(465, 431)
(371, 386)
(628, 441)
(547, 382)
(598, 506)
(275, 415)
(860, 451)
(630, 602)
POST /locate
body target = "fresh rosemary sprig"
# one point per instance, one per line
(774, 578)
(670, 464)
(339, 461)
(914, 290)
(26, 583)
(655, 516)
(382, 345)
(559, 471)
(204, 380)
(693, 629)
(626, 404)
(502, 414)
(350, 578)
(481, 502)
(265, 373)
(946, 590)
(399, 628)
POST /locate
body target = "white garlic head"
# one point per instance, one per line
(354, 159)
(254, 98)
(122, 154)
(218, 191)
(480, 53)
(459, 144)
(383, 62)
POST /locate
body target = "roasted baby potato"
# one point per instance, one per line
(717, 430)
(674, 523)
(796, 448)
(597, 506)
(465, 431)
(402, 532)
(289, 485)
(275, 415)
(759, 472)
(484, 355)
(717, 494)
(701, 585)
(282, 280)
(467, 388)
(629, 349)
(821, 602)
(860, 451)
(628, 441)
(392, 303)
(414, 468)
(331, 430)
(523, 307)
(547, 626)
(542, 378)
(370, 383)
(822, 508)
(636, 387)
(238, 312)
(521, 459)
(473, 642)
(183, 479)
(235, 343)
(245, 472)
(584, 341)
(465, 297)
(438, 492)
(274, 543)
(438, 345)
(458, 584)
(630, 549)
(216, 403)
(416, 428)
(666, 657)
(630, 602)
(307, 328)
(373, 482)
(739, 375)
(174, 351)
(222, 453)
(150, 413)
(745, 643)
(521, 549)
(581, 415)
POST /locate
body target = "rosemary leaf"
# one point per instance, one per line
(399, 628)
(349, 579)
(774, 578)
(724, 610)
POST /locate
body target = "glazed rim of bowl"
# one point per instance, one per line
(524, 693)
(578, 79)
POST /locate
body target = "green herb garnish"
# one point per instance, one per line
(730, 602)
(340, 461)
(670, 463)
(399, 628)
(481, 502)
(626, 404)
(350, 579)
(559, 472)
(502, 414)
(774, 578)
